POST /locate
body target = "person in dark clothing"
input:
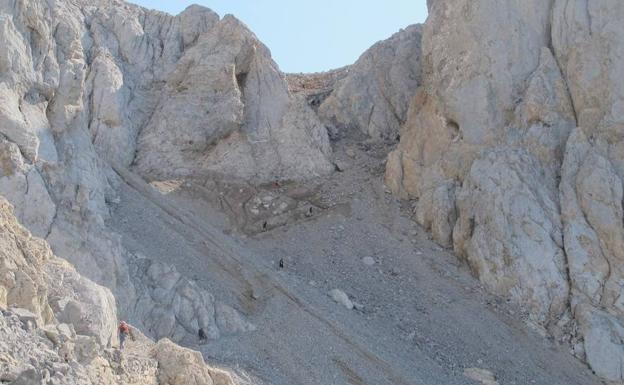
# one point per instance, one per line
(202, 335)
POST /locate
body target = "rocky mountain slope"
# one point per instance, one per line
(81, 86)
(511, 149)
(170, 161)
(60, 328)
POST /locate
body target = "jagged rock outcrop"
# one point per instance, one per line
(171, 306)
(226, 108)
(57, 327)
(374, 96)
(511, 149)
(84, 85)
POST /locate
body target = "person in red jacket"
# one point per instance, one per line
(124, 331)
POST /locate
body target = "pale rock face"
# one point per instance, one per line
(24, 186)
(38, 290)
(81, 87)
(587, 37)
(460, 148)
(112, 131)
(374, 97)
(510, 233)
(477, 56)
(246, 126)
(491, 144)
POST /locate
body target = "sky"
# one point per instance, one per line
(312, 35)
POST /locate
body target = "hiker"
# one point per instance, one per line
(124, 331)
(202, 335)
(281, 263)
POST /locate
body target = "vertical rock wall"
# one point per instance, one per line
(512, 149)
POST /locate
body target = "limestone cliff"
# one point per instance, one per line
(82, 85)
(374, 96)
(512, 150)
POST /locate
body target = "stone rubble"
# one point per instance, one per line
(58, 328)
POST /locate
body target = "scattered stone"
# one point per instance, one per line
(481, 375)
(342, 298)
(368, 261)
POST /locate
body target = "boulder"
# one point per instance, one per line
(341, 298)
(179, 366)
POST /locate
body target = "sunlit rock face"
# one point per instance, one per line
(374, 96)
(512, 149)
(89, 85)
(225, 108)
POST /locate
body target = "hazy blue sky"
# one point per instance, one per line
(313, 35)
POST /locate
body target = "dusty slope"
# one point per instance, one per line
(424, 319)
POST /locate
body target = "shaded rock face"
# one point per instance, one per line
(84, 85)
(374, 96)
(512, 149)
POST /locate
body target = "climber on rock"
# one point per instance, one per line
(124, 331)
